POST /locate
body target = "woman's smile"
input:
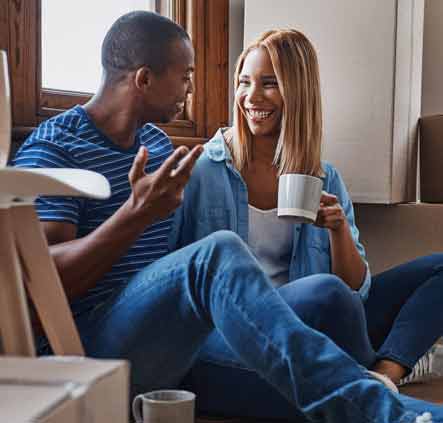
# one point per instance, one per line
(257, 115)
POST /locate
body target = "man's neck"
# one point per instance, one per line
(115, 117)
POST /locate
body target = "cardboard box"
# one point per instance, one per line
(431, 159)
(398, 233)
(63, 390)
(23, 402)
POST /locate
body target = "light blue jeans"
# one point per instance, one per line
(161, 319)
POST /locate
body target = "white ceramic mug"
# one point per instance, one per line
(165, 406)
(299, 197)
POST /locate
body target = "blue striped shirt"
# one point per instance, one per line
(71, 140)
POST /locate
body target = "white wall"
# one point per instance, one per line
(370, 68)
(432, 84)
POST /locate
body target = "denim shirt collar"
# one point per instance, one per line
(217, 149)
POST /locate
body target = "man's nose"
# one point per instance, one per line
(190, 89)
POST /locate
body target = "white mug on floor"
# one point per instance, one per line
(165, 406)
(299, 197)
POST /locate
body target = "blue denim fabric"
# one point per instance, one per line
(216, 198)
(401, 320)
(160, 320)
(404, 309)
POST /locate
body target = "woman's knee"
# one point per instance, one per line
(334, 294)
(436, 258)
(322, 294)
(431, 263)
(436, 261)
(415, 273)
(325, 303)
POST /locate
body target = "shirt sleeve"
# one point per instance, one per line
(346, 203)
(45, 154)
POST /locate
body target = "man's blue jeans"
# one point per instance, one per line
(401, 320)
(160, 320)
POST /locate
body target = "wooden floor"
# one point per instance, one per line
(430, 391)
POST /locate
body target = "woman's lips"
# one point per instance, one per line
(257, 115)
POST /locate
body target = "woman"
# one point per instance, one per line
(320, 270)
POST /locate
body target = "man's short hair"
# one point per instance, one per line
(139, 38)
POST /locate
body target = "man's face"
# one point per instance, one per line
(169, 89)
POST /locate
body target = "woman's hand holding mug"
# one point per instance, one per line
(330, 214)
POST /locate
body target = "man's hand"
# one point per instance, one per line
(330, 214)
(158, 194)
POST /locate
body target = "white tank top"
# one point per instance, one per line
(270, 239)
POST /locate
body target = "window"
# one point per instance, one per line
(62, 40)
(46, 81)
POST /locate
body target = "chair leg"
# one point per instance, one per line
(43, 283)
(15, 324)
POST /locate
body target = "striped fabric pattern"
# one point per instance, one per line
(71, 140)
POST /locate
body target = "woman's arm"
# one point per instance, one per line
(346, 260)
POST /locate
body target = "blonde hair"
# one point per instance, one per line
(296, 68)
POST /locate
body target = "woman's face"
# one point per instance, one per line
(258, 95)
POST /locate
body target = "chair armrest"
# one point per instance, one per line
(19, 182)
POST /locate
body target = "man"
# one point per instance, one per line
(133, 300)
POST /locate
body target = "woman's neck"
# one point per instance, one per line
(263, 149)
(260, 175)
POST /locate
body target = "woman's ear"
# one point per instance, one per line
(143, 78)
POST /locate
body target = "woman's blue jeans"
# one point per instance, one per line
(161, 319)
(401, 320)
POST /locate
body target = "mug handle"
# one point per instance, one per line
(136, 408)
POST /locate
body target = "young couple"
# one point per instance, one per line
(132, 299)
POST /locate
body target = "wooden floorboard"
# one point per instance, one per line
(430, 391)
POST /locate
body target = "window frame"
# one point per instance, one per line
(207, 23)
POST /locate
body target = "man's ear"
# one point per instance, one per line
(143, 78)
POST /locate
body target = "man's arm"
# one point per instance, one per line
(82, 262)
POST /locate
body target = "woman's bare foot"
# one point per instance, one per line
(391, 369)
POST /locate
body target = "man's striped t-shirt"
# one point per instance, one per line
(71, 140)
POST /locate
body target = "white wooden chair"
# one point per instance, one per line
(25, 262)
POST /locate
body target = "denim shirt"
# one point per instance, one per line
(216, 198)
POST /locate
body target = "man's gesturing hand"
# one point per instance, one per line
(158, 194)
